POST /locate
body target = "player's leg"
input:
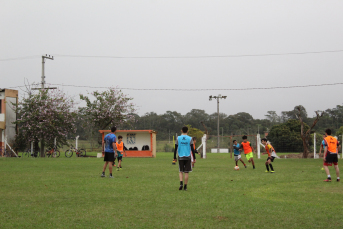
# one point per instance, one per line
(243, 162)
(270, 165)
(104, 168)
(337, 171)
(267, 166)
(327, 163)
(110, 168)
(186, 181)
(119, 163)
(253, 163)
(181, 170)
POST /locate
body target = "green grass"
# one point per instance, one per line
(69, 193)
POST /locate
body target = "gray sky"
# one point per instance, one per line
(180, 28)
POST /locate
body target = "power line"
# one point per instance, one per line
(203, 89)
(200, 57)
(178, 57)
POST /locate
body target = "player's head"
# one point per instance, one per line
(328, 131)
(264, 141)
(194, 139)
(184, 129)
(120, 138)
(245, 138)
(113, 129)
(234, 142)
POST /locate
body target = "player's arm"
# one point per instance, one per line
(241, 147)
(325, 152)
(114, 148)
(252, 148)
(320, 149)
(103, 146)
(193, 151)
(175, 149)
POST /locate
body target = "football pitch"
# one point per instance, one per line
(69, 193)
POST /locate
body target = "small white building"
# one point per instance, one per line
(8, 115)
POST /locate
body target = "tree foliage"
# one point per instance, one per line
(45, 116)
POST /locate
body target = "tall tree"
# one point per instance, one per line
(305, 136)
(109, 108)
(45, 116)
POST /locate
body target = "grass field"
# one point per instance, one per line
(69, 193)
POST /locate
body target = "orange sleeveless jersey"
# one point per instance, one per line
(269, 148)
(120, 146)
(246, 147)
(331, 143)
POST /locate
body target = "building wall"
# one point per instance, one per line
(10, 118)
(135, 139)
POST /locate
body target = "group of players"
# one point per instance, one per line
(185, 148)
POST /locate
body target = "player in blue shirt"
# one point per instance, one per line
(109, 149)
(184, 147)
(237, 153)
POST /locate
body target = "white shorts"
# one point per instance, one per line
(237, 157)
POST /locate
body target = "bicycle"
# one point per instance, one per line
(79, 152)
(27, 153)
(53, 152)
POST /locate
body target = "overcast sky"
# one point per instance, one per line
(179, 29)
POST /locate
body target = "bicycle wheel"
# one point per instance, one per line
(69, 153)
(47, 153)
(82, 152)
(56, 153)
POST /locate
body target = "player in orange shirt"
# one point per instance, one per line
(331, 154)
(271, 154)
(120, 150)
(248, 150)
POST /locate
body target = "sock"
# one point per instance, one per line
(267, 167)
(181, 182)
(236, 163)
(110, 174)
(185, 187)
(337, 177)
(271, 167)
(254, 166)
(329, 177)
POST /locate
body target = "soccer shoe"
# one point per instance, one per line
(118, 169)
(111, 176)
(338, 180)
(245, 166)
(185, 188)
(103, 175)
(327, 180)
(181, 186)
(266, 171)
(272, 172)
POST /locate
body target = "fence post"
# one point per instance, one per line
(314, 146)
(203, 139)
(258, 146)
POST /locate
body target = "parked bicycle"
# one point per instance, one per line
(27, 153)
(79, 152)
(53, 152)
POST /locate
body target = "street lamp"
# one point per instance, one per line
(217, 97)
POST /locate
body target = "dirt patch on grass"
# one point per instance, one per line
(220, 218)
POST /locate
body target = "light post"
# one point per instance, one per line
(217, 97)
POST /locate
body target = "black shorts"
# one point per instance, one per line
(331, 158)
(120, 158)
(185, 166)
(271, 158)
(109, 157)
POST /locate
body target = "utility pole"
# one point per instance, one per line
(42, 88)
(217, 97)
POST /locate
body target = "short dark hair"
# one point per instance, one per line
(184, 129)
(328, 131)
(194, 138)
(113, 129)
(244, 137)
(264, 139)
(233, 141)
(120, 136)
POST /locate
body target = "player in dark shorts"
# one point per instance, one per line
(271, 155)
(109, 150)
(184, 148)
(331, 154)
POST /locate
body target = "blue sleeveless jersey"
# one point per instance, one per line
(184, 145)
